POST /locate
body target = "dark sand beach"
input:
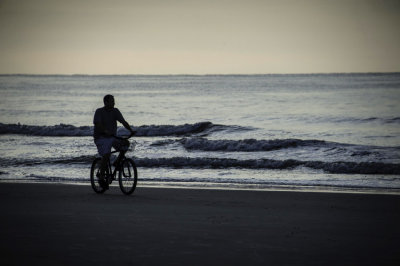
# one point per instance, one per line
(54, 224)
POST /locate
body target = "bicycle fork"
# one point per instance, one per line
(128, 169)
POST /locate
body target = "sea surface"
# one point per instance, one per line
(312, 131)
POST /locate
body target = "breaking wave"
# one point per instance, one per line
(246, 145)
(57, 130)
(330, 167)
(62, 130)
(255, 145)
(223, 163)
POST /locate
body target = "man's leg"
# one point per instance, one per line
(122, 146)
(103, 166)
(104, 149)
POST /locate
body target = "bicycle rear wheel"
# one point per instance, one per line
(95, 175)
(128, 176)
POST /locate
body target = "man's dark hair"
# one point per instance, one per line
(107, 98)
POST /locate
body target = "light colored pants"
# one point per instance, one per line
(104, 145)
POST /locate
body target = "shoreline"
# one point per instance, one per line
(230, 186)
(70, 224)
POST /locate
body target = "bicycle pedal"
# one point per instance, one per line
(103, 183)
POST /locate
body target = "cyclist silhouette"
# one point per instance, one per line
(105, 128)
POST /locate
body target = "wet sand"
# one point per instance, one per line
(54, 224)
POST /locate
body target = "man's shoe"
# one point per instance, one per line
(106, 185)
(102, 182)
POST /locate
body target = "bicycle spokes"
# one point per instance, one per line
(95, 176)
(126, 171)
(128, 176)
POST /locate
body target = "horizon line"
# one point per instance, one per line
(210, 74)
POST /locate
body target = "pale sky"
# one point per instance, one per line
(198, 37)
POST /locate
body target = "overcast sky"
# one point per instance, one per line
(198, 37)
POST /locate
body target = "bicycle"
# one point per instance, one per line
(125, 167)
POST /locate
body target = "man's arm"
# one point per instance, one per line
(121, 119)
(127, 126)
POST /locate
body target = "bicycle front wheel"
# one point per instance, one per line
(128, 176)
(95, 175)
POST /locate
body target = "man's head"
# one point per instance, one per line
(109, 101)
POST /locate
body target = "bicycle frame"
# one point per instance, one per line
(126, 168)
(113, 174)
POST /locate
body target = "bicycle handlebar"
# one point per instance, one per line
(125, 138)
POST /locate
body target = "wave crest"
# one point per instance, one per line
(63, 130)
(330, 167)
(57, 130)
(171, 130)
(246, 145)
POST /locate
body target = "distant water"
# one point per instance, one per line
(324, 131)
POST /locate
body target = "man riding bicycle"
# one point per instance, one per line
(105, 128)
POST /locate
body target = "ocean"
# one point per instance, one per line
(305, 132)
